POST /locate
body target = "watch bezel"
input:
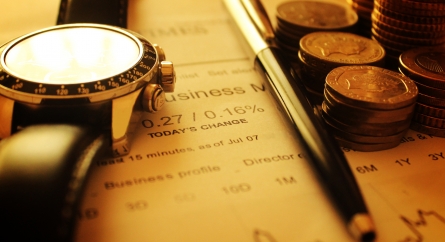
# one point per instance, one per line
(127, 81)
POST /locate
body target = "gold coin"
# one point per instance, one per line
(409, 40)
(413, 7)
(413, 4)
(407, 17)
(371, 87)
(318, 65)
(367, 138)
(317, 15)
(340, 48)
(427, 129)
(430, 111)
(366, 147)
(425, 65)
(429, 121)
(407, 25)
(390, 115)
(430, 91)
(291, 35)
(406, 32)
(395, 45)
(431, 101)
(427, 5)
(343, 113)
(370, 129)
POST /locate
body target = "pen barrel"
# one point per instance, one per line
(321, 149)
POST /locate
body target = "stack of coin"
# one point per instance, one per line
(320, 52)
(298, 18)
(368, 108)
(364, 10)
(403, 25)
(426, 67)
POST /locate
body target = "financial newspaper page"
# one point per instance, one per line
(218, 163)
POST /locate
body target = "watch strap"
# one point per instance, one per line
(111, 12)
(43, 169)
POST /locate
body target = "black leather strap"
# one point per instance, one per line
(42, 173)
(112, 12)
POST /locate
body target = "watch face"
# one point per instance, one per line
(75, 60)
(72, 55)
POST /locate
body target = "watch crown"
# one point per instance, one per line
(167, 76)
(153, 98)
(160, 51)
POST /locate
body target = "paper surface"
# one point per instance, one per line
(218, 163)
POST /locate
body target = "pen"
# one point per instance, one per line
(321, 149)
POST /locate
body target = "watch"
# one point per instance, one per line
(82, 73)
(67, 96)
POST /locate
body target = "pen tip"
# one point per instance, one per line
(362, 227)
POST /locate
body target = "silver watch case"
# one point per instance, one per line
(142, 85)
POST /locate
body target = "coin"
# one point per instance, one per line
(340, 48)
(400, 25)
(319, 65)
(316, 15)
(406, 32)
(415, 41)
(371, 87)
(288, 34)
(407, 17)
(366, 147)
(357, 98)
(430, 111)
(320, 52)
(339, 113)
(367, 138)
(423, 5)
(408, 25)
(413, 7)
(429, 121)
(370, 129)
(427, 129)
(368, 115)
(425, 65)
(298, 18)
(393, 44)
(431, 101)
(430, 91)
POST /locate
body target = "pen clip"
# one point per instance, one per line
(259, 16)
